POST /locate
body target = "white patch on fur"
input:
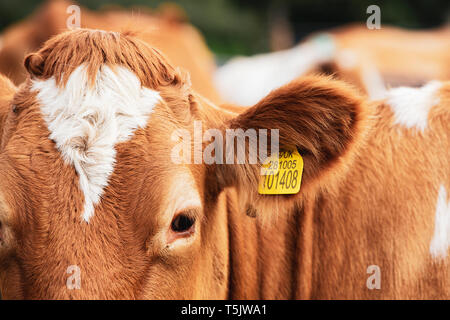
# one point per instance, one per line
(441, 239)
(87, 122)
(246, 80)
(411, 105)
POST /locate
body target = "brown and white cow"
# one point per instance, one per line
(371, 60)
(164, 29)
(87, 184)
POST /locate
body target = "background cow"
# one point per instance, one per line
(372, 60)
(86, 181)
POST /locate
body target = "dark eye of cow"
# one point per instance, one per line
(182, 223)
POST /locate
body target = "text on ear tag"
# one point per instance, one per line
(282, 174)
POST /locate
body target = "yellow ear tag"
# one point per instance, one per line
(282, 174)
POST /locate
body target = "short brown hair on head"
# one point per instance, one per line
(63, 53)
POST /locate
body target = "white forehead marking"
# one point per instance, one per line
(411, 105)
(246, 80)
(441, 239)
(87, 122)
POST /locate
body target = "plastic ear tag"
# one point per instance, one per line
(282, 173)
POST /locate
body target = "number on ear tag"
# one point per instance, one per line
(282, 174)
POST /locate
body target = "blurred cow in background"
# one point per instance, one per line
(165, 29)
(372, 60)
(402, 57)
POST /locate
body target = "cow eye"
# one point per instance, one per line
(182, 223)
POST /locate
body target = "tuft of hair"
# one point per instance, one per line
(62, 54)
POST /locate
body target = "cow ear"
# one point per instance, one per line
(323, 119)
(34, 63)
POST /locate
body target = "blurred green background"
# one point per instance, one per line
(234, 27)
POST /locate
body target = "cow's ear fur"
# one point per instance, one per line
(324, 118)
(7, 91)
(34, 64)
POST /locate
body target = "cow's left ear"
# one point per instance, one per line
(323, 119)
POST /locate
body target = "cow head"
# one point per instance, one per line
(92, 204)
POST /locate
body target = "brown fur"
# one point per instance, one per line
(62, 54)
(368, 195)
